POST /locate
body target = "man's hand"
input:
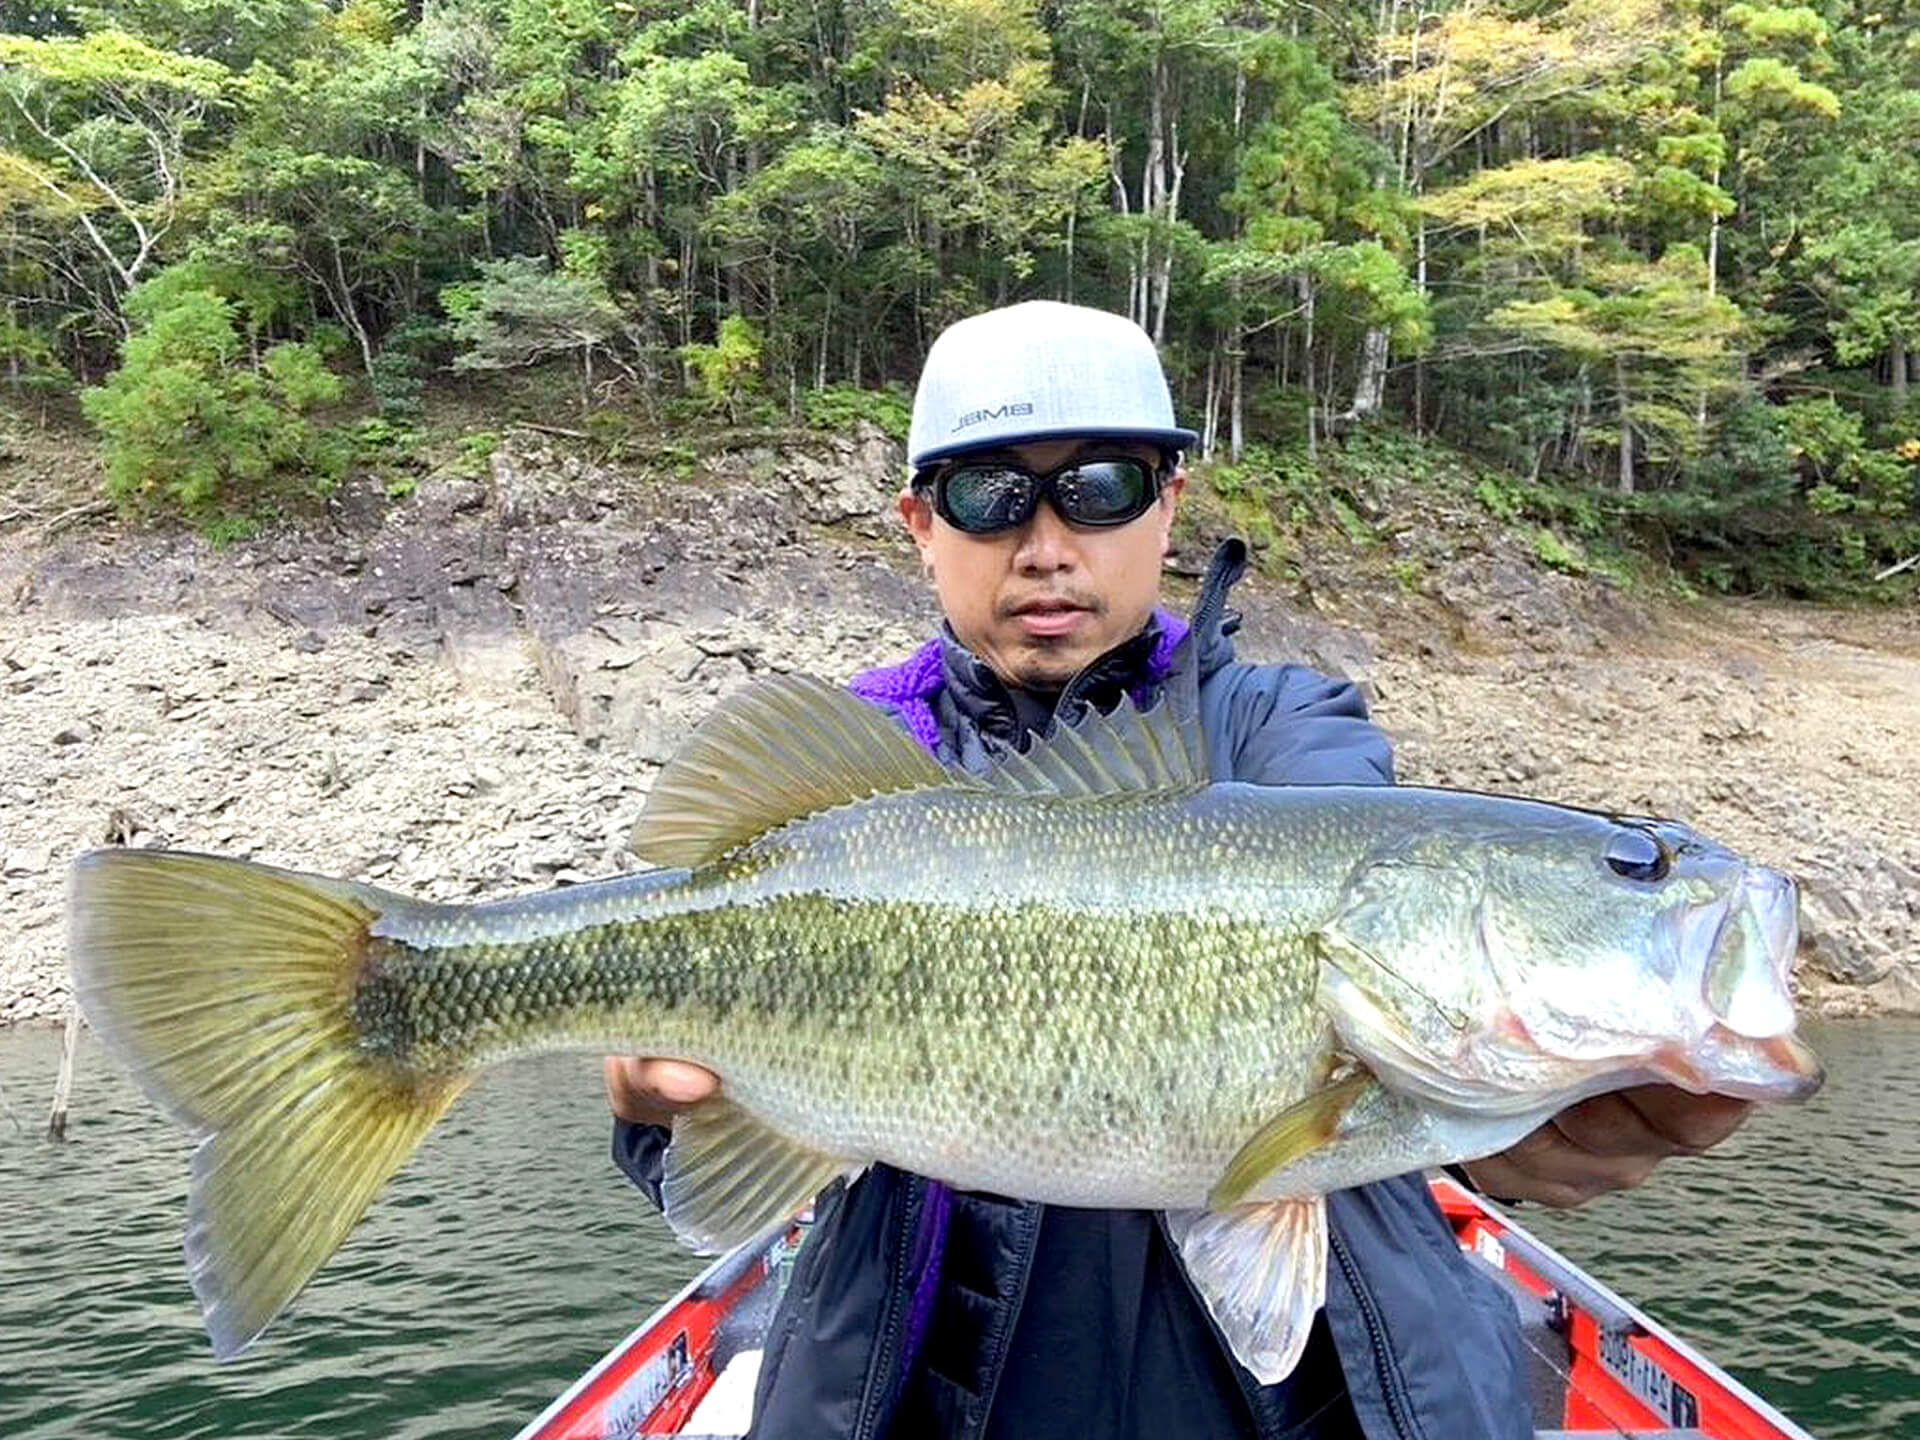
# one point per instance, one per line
(651, 1092)
(1609, 1142)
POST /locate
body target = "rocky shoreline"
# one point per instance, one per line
(466, 692)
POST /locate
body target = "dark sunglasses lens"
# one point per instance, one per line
(1105, 492)
(983, 498)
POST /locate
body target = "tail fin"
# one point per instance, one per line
(225, 988)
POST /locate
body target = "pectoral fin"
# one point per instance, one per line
(1294, 1133)
(728, 1177)
(1262, 1272)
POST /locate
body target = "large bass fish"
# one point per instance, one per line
(1089, 978)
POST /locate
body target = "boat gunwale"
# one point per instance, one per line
(1546, 1265)
(757, 1246)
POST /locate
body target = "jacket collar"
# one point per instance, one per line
(1004, 715)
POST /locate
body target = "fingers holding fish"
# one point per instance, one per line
(1691, 1123)
(1606, 1143)
(651, 1092)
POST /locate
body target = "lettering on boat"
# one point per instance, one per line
(634, 1403)
(1651, 1385)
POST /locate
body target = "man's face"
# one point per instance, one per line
(1045, 599)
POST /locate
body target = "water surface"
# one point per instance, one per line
(500, 1264)
(510, 1254)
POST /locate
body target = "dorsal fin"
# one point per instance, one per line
(1159, 748)
(782, 748)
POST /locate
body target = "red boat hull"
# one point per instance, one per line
(1598, 1366)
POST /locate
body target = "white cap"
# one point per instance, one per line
(1039, 369)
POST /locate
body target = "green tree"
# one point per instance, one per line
(97, 130)
(817, 223)
(1648, 332)
(520, 311)
(189, 422)
(726, 372)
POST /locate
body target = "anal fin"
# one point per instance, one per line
(728, 1176)
(1262, 1272)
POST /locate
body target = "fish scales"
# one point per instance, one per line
(1089, 978)
(1034, 1029)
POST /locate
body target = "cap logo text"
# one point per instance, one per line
(998, 412)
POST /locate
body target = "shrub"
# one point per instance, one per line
(187, 420)
(400, 369)
(841, 407)
(724, 374)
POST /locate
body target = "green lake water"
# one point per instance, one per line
(510, 1254)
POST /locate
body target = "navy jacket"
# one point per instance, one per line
(1041, 1322)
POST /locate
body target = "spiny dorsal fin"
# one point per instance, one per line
(1127, 750)
(785, 747)
(727, 1176)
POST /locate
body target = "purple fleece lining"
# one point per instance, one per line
(1160, 663)
(929, 1248)
(908, 690)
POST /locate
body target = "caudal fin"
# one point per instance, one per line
(225, 988)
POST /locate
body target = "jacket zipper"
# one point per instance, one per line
(1213, 596)
(1399, 1405)
(872, 1400)
(1016, 1303)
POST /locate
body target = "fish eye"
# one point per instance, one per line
(1636, 855)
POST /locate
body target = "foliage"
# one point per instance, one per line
(191, 424)
(1555, 553)
(519, 311)
(841, 407)
(30, 362)
(399, 376)
(727, 371)
(1659, 260)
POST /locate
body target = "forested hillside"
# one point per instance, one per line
(1656, 264)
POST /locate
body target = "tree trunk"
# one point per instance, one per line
(1713, 227)
(820, 350)
(734, 280)
(1152, 179)
(1420, 365)
(1897, 366)
(686, 288)
(349, 315)
(1574, 455)
(1370, 386)
(1237, 396)
(1309, 361)
(1210, 419)
(1626, 427)
(1072, 216)
(1163, 281)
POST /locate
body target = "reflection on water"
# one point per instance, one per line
(509, 1254)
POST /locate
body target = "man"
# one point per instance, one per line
(1045, 482)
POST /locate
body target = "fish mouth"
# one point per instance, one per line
(1725, 1062)
(1748, 940)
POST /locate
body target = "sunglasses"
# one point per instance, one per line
(986, 498)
